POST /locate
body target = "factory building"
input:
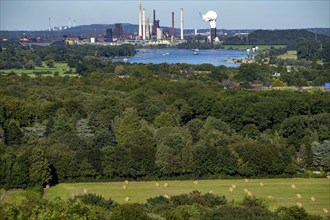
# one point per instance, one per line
(118, 31)
(108, 36)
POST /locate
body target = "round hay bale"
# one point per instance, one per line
(157, 184)
(85, 191)
(246, 180)
(293, 186)
(126, 199)
(166, 196)
(270, 197)
(124, 187)
(262, 184)
(234, 186)
(313, 198)
(195, 182)
(298, 196)
(246, 191)
(165, 184)
(126, 182)
(250, 193)
(47, 186)
(211, 192)
(299, 204)
(325, 210)
(231, 189)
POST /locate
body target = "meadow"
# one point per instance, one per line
(59, 68)
(312, 194)
(290, 54)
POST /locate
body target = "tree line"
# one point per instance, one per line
(86, 59)
(18, 57)
(102, 127)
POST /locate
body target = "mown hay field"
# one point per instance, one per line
(312, 194)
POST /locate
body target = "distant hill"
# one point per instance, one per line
(324, 31)
(275, 37)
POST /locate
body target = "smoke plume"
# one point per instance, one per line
(211, 17)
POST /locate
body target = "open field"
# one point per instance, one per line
(244, 47)
(290, 54)
(283, 192)
(61, 68)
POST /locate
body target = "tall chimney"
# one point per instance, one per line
(147, 28)
(181, 23)
(140, 19)
(144, 24)
(50, 27)
(69, 22)
(172, 24)
(154, 28)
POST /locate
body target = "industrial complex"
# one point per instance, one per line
(149, 32)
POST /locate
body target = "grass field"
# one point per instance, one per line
(291, 54)
(61, 68)
(244, 47)
(280, 191)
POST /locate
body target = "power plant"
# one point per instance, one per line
(149, 31)
(152, 33)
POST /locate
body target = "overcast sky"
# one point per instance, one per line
(232, 14)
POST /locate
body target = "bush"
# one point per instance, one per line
(159, 203)
(213, 200)
(96, 200)
(129, 211)
(295, 213)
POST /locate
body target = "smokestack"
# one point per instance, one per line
(154, 30)
(69, 22)
(211, 17)
(181, 23)
(144, 25)
(213, 34)
(50, 27)
(147, 28)
(74, 23)
(172, 24)
(140, 19)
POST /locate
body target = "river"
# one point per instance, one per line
(215, 57)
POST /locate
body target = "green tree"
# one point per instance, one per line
(29, 65)
(165, 120)
(38, 61)
(130, 211)
(142, 150)
(50, 63)
(251, 131)
(40, 172)
(124, 125)
(321, 152)
(13, 134)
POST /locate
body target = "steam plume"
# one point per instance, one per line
(211, 17)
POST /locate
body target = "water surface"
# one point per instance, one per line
(215, 57)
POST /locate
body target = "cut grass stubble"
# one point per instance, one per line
(312, 194)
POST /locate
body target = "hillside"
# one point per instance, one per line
(275, 37)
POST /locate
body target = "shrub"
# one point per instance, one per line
(97, 200)
(129, 211)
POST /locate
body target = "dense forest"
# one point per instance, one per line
(102, 127)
